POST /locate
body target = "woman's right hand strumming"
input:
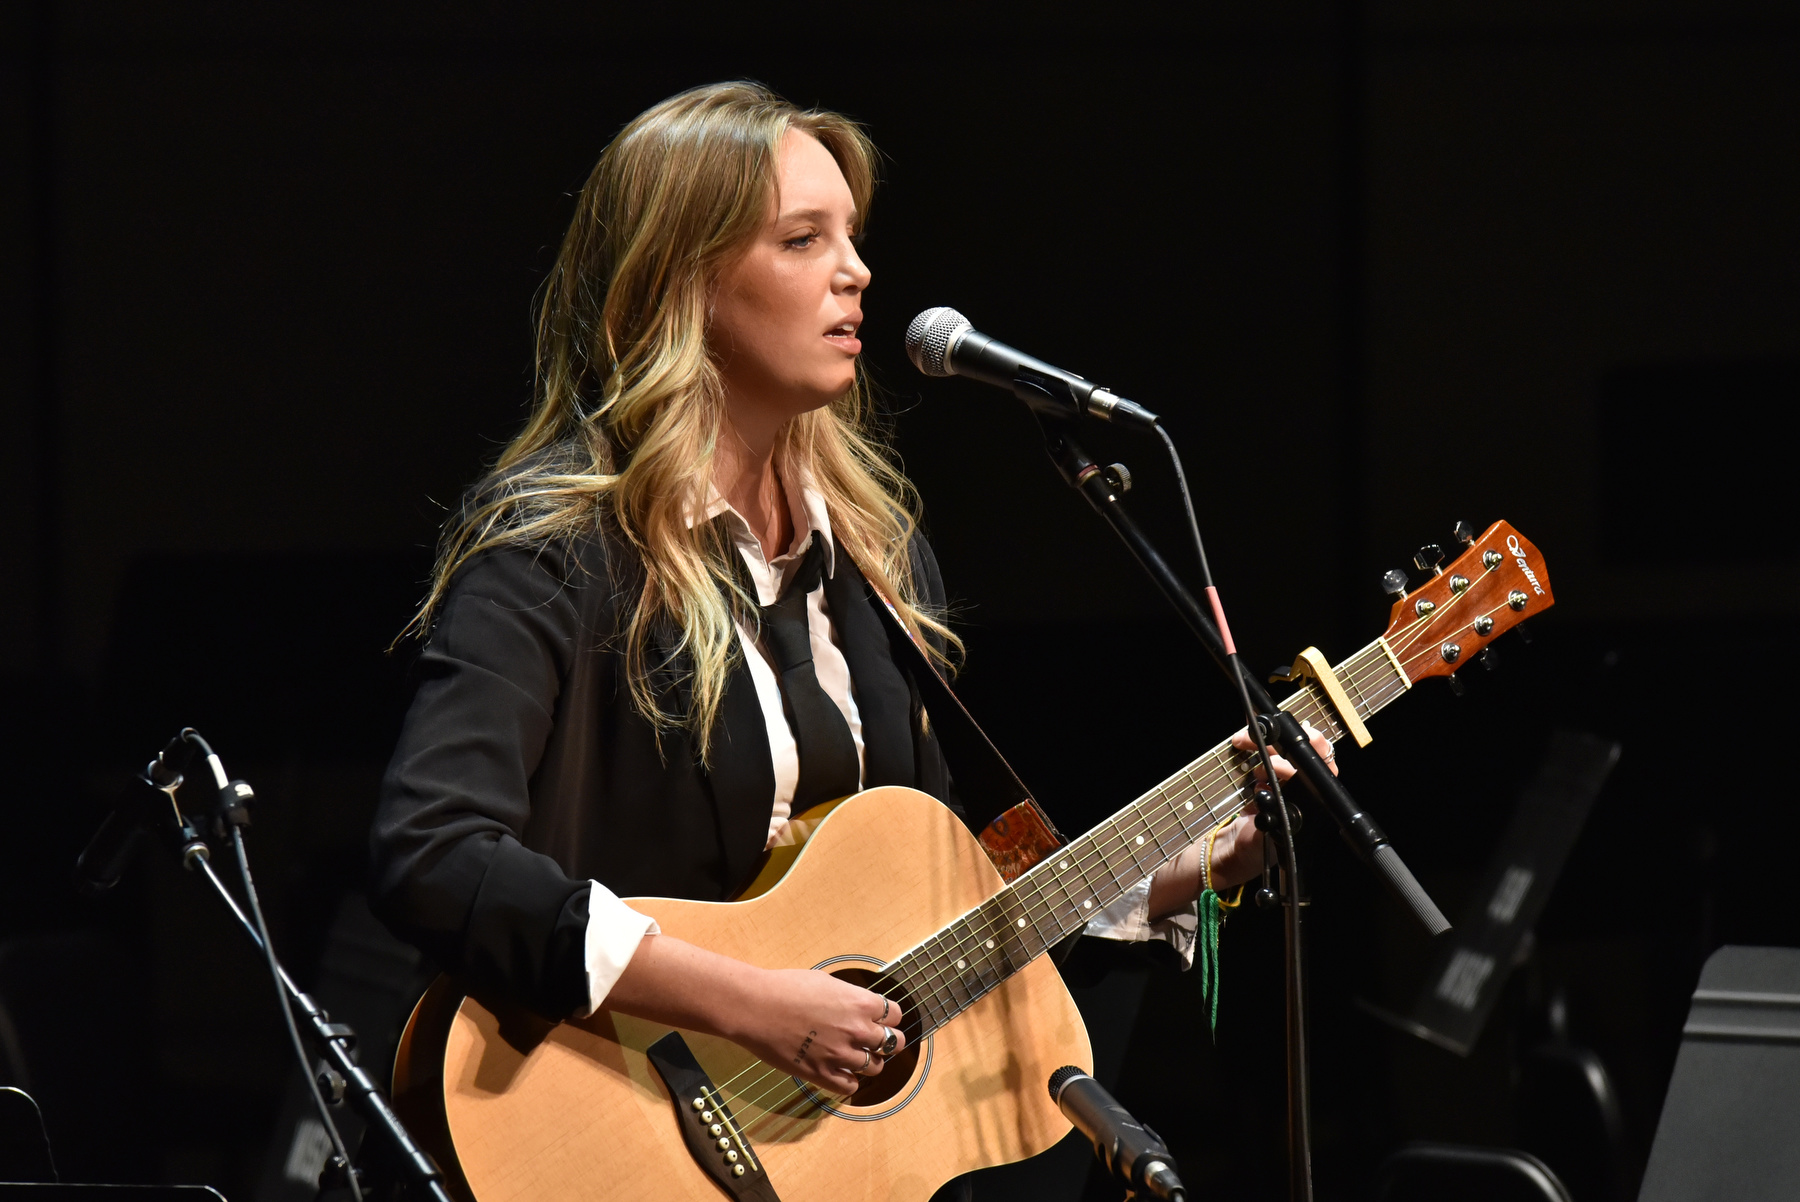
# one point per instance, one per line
(820, 1029)
(806, 1023)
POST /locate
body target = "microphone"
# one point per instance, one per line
(941, 342)
(1130, 1151)
(104, 860)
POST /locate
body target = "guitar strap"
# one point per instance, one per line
(1013, 828)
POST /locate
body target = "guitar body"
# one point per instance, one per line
(521, 1110)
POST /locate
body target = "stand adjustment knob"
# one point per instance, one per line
(1394, 583)
(1428, 558)
(1465, 534)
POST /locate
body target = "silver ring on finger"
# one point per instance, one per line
(868, 1059)
(886, 1005)
(888, 1044)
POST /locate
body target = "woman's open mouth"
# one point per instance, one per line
(843, 336)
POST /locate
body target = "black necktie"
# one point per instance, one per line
(828, 765)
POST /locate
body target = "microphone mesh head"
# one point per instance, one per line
(930, 337)
(1062, 1077)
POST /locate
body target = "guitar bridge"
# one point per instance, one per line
(707, 1124)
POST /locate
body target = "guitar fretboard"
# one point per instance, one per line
(955, 967)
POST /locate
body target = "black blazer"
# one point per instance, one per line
(524, 769)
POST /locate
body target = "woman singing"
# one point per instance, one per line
(652, 635)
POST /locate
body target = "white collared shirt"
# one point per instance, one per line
(811, 521)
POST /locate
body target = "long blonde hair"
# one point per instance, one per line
(629, 402)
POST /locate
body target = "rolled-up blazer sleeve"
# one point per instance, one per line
(449, 870)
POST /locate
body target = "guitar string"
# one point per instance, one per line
(934, 981)
(920, 1011)
(1425, 620)
(1213, 814)
(1218, 772)
(778, 1110)
(1469, 625)
(938, 990)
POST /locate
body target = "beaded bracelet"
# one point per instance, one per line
(1206, 855)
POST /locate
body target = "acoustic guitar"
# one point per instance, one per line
(892, 892)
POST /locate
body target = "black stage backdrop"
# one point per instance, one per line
(265, 285)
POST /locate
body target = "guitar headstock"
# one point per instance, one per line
(1495, 584)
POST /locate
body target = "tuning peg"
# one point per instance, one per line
(1489, 659)
(1394, 583)
(1456, 686)
(1428, 558)
(1524, 634)
(1465, 534)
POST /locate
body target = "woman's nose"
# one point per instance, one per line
(853, 273)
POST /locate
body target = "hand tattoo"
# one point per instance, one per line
(804, 1044)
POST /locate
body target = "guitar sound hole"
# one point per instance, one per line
(899, 1070)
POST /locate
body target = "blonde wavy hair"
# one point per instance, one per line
(628, 400)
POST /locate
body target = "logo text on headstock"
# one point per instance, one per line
(1512, 544)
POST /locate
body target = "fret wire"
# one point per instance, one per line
(1136, 842)
(1118, 831)
(1060, 874)
(1354, 690)
(1062, 879)
(1157, 837)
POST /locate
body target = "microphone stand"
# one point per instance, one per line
(1102, 488)
(333, 1041)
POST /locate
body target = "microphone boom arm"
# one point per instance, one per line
(1359, 830)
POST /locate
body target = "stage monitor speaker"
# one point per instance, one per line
(1728, 1125)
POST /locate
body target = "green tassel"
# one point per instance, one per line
(1212, 916)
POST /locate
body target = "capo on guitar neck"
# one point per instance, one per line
(1311, 663)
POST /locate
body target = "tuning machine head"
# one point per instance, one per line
(1465, 534)
(1428, 558)
(1395, 584)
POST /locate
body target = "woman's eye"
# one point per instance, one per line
(802, 242)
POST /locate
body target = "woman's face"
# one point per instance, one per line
(785, 313)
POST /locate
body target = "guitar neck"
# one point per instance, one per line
(953, 968)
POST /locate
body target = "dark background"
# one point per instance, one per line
(265, 284)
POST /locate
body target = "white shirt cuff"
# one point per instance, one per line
(1128, 920)
(614, 931)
